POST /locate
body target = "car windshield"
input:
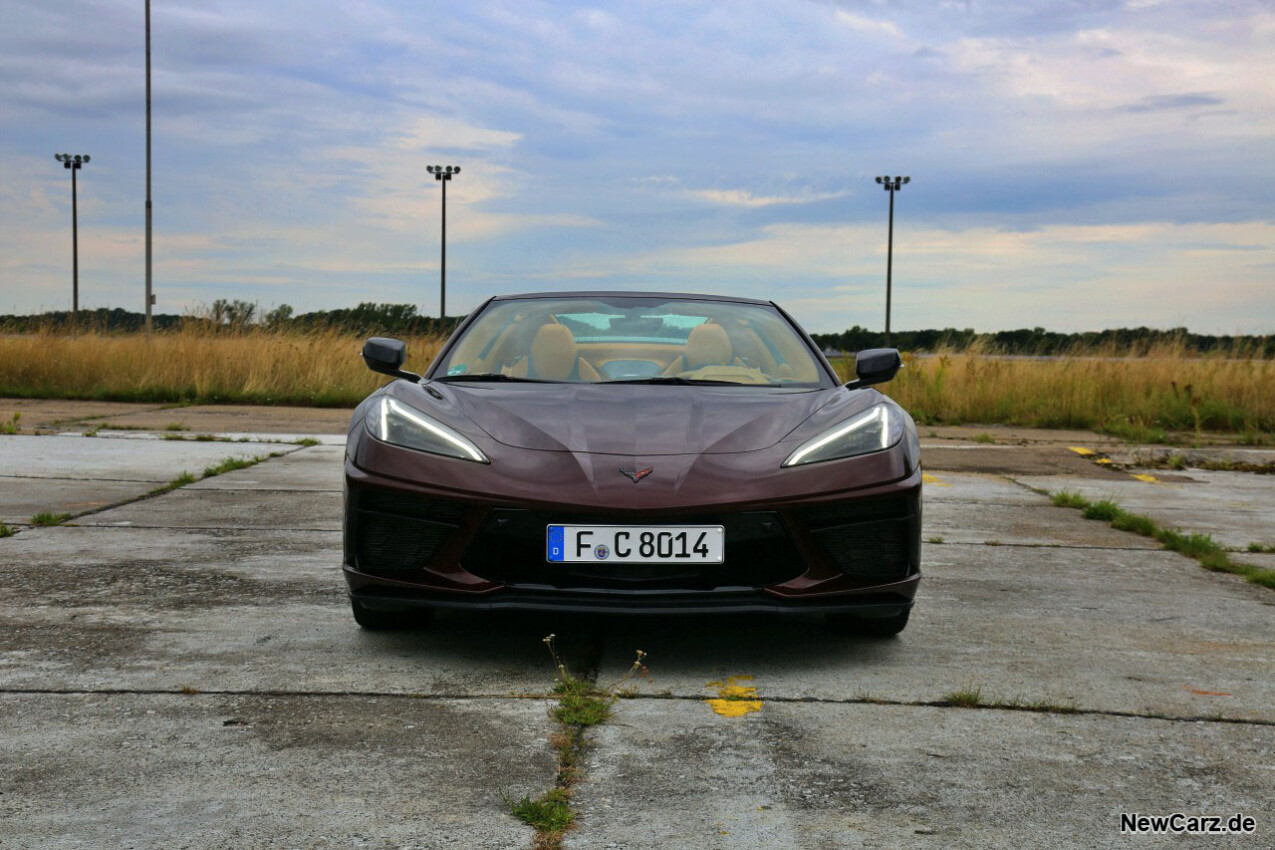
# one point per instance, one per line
(632, 339)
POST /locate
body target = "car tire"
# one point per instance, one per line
(854, 624)
(378, 620)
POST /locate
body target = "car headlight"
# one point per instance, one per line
(391, 421)
(873, 430)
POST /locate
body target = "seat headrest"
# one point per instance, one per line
(553, 352)
(707, 344)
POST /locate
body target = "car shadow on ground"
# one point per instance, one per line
(679, 649)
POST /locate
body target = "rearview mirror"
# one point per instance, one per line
(875, 366)
(385, 355)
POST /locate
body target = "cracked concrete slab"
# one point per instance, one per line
(1098, 630)
(20, 498)
(1236, 508)
(213, 771)
(306, 469)
(277, 509)
(123, 460)
(674, 774)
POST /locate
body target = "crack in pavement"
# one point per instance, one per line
(1024, 708)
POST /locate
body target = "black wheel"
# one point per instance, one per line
(377, 620)
(855, 624)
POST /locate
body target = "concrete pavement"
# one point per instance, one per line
(182, 670)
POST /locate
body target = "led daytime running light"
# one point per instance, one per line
(464, 446)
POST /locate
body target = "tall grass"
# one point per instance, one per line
(1127, 392)
(252, 366)
(1132, 392)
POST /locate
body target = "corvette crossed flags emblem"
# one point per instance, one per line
(636, 474)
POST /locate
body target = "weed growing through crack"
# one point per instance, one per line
(938, 538)
(1068, 499)
(48, 518)
(305, 441)
(581, 705)
(11, 426)
(1201, 547)
(549, 813)
(6, 531)
(230, 464)
(176, 426)
(180, 481)
(971, 696)
(1260, 548)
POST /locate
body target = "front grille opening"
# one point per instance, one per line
(868, 538)
(397, 533)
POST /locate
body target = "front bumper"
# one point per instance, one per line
(851, 549)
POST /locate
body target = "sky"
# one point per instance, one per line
(1075, 165)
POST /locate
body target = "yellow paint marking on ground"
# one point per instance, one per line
(1102, 460)
(1082, 451)
(927, 478)
(1142, 476)
(734, 699)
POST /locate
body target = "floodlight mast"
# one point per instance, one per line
(150, 298)
(444, 175)
(891, 185)
(73, 163)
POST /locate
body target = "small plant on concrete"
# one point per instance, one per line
(1260, 548)
(49, 518)
(306, 441)
(176, 426)
(549, 813)
(971, 696)
(1068, 499)
(937, 538)
(1104, 509)
(11, 426)
(5, 531)
(984, 438)
(180, 481)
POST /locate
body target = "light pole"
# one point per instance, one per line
(443, 174)
(73, 164)
(891, 185)
(150, 298)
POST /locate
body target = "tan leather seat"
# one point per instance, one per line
(555, 357)
(707, 345)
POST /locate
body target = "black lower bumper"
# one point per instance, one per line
(645, 602)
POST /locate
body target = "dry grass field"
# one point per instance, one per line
(255, 367)
(1138, 394)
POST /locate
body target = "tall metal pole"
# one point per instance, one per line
(150, 298)
(889, 270)
(73, 163)
(443, 175)
(442, 284)
(75, 250)
(891, 185)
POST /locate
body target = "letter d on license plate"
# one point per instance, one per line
(628, 544)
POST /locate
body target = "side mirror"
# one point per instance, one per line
(875, 366)
(385, 355)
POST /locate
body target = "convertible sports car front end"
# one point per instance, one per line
(618, 452)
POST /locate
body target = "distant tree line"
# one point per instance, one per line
(1040, 342)
(367, 318)
(372, 319)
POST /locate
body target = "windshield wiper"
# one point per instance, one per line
(492, 376)
(673, 379)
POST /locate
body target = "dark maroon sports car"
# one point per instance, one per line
(632, 453)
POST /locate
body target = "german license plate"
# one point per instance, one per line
(628, 544)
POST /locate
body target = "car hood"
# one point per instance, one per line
(634, 420)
